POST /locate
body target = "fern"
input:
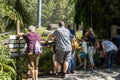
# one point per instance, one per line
(7, 65)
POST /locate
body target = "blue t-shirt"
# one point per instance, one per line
(72, 34)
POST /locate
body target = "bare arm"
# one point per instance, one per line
(81, 49)
(50, 38)
(20, 34)
(104, 50)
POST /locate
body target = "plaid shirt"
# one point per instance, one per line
(63, 42)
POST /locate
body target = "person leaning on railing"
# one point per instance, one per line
(32, 58)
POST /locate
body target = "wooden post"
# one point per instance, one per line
(74, 28)
(18, 27)
(113, 31)
(81, 29)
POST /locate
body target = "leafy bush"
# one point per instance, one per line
(45, 61)
(21, 65)
(7, 65)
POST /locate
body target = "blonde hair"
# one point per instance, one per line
(91, 31)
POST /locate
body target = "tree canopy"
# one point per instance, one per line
(100, 13)
(55, 10)
(27, 11)
(12, 10)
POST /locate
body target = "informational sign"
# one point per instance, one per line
(17, 46)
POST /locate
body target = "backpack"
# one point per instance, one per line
(37, 48)
(75, 43)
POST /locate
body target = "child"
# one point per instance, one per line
(82, 54)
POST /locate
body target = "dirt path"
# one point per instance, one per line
(98, 74)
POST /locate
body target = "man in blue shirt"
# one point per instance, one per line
(71, 62)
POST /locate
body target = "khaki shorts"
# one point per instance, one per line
(33, 61)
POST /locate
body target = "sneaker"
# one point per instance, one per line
(72, 72)
(109, 70)
(63, 75)
(55, 73)
(84, 68)
(58, 75)
(93, 69)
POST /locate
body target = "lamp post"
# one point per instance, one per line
(39, 13)
(91, 17)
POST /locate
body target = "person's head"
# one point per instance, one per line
(31, 28)
(61, 23)
(82, 39)
(69, 26)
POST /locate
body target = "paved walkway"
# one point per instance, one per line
(98, 74)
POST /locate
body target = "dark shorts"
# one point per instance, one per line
(33, 61)
(62, 56)
(83, 55)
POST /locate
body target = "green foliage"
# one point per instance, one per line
(13, 10)
(26, 11)
(8, 15)
(57, 10)
(21, 67)
(104, 13)
(45, 61)
(7, 65)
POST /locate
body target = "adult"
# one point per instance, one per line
(111, 50)
(71, 62)
(63, 47)
(30, 37)
(91, 39)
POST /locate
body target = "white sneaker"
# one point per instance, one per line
(109, 70)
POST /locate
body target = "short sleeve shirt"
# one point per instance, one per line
(109, 46)
(72, 34)
(30, 39)
(63, 42)
(84, 45)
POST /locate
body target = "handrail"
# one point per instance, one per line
(5, 33)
